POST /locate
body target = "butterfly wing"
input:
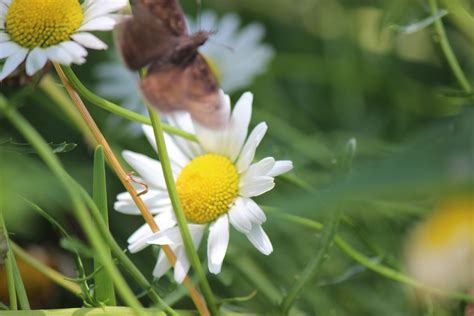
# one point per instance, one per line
(192, 88)
(143, 39)
(169, 12)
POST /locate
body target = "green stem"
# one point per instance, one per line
(447, 50)
(116, 109)
(327, 239)
(104, 286)
(8, 265)
(44, 151)
(461, 17)
(50, 273)
(179, 213)
(378, 268)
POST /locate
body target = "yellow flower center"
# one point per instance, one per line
(453, 221)
(213, 66)
(206, 187)
(43, 23)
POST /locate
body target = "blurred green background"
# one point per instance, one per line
(341, 71)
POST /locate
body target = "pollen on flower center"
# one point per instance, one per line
(206, 187)
(43, 23)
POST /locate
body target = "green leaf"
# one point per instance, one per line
(76, 246)
(239, 299)
(104, 285)
(25, 148)
(418, 26)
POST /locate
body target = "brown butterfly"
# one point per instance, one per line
(178, 77)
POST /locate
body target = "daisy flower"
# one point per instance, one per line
(38, 31)
(216, 181)
(440, 251)
(236, 56)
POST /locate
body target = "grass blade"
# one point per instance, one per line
(7, 260)
(16, 288)
(104, 286)
(313, 267)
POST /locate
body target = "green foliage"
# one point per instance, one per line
(370, 71)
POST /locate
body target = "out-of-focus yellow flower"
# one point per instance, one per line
(440, 251)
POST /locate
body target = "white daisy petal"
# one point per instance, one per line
(256, 213)
(102, 23)
(218, 241)
(280, 167)
(260, 240)
(213, 140)
(261, 168)
(248, 152)
(150, 135)
(59, 55)
(130, 208)
(162, 265)
(77, 51)
(35, 61)
(257, 187)
(175, 153)
(183, 121)
(149, 169)
(102, 8)
(151, 198)
(9, 48)
(88, 40)
(239, 217)
(182, 265)
(139, 239)
(4, 37)
(239, 125)
(172, 236)
(12, 62)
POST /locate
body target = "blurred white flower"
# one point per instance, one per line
(215, 180)
(38, 31)
(236, 55)
(440, 251)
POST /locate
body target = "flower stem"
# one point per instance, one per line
(44, 151)
(50, 273)
(179, 213)
(447, 50)
(123, 177)
(327, 239)
(367, 262)
(116, 109)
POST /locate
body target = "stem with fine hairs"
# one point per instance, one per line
(124, 178)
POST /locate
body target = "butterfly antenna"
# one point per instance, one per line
(230, 48)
